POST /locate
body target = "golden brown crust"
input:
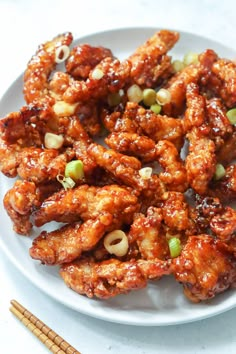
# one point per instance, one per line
(40, 67)
(87, 202)
(204, 268)
(68, 242)
(19, 202)
(156, 126)
(225, 70)
(200, 162)
(174, 174)
(132, 144)
(177, 86)
(83, 58)
(111, 277)
(150, 62)
(146, 232)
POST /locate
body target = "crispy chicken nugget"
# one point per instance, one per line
(19, 202)
(204, 268)
(174, 174)
(200, 162)
(146, 232)
(68, 242)
(150, 62)
(87, 202)
(156, 126)
(111, 277)
(132, 144)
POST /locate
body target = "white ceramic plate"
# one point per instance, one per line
(162, 302)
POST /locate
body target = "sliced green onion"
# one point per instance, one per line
(62, 54)
(174, 247)
(66, 182)
(220, 171)
(190, 58)
(163, 96)
(231, 114)
(53, 141)
(97, 74)
(149, 97)
(156, 108)
(178, 65)
(135, 93)
(145, 172)
(75, 170)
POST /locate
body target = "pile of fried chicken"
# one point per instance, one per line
(180, 198)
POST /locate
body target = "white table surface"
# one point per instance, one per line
(25, 24)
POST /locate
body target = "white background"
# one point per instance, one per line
(24, 25)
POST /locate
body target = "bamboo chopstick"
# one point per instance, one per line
(55, 343)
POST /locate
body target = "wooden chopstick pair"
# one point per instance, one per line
(55, 343)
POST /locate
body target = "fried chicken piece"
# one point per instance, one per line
(156, 126)
(208, 81)
(175, 211)
(88, 114)
(88, 202)
(147, 234)
(18, 130)
(42, 165)
(76, 136)
(72, 130)
(26, 126)
(132, 144)
(219, 218)
(83, 58)
(205, 209)
(217, 118)
(224, 224)
(57, 85)
(195, 114)
(153, 194)
(109, 120)
(46, 189)
(40, 67)
(204, 268)
(208, 206)
(68, 242)
(109, 76)
(174, 175)
(111, 277)
(12, 127)
(218, 77)
(8, 158)
(124, 168)
(225, 70)
(127, 170)
(150, 62)
(119, 121)
(200, 161)
(227, 152)
(22, 136)
(221, 128)
(225, 188)
(211, 113)
(24, 198)
(85, 112)
(19, 202)
(177, 87)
